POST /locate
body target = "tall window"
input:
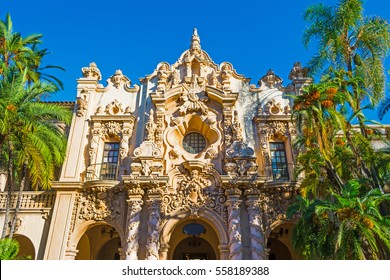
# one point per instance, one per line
(279, 161)
(110, 161)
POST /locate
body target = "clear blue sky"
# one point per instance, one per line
(135, 36)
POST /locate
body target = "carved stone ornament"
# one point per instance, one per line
(152, 242)
(271, 108)
(275, 203)
(194, 99)
(100, 203)
(82, 105)
(213, 80)
(276, 128)
(194, 194)
(91, 72)
(118, 79)
(112, 128)
(298, 72)
(236, 128)
(192, 188)
(239, 149)
(150, 127)
(270, 79)
(233, 205)
(162, 75)
(114, 108)
(132, 228)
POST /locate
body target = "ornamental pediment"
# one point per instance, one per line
(196, 62)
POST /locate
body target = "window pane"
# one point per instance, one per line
(194, 143)
(279, 161)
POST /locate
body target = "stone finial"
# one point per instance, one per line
(270, 79)
(91, 72)
(298, 72)
(195, 41)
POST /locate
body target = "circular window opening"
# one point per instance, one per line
(194, 143)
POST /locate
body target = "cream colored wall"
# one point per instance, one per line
(35, 226)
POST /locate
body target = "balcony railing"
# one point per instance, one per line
(29, 200)
(102, 171)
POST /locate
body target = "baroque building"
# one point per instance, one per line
(193, 163)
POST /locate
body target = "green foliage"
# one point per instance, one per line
(24, 54)
(27, 129)
(9, 249)
(350, 41)
(342, 203)
(342, 226)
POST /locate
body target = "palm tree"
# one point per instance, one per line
(31, 143)
(384, 107)
(9, 249)
(24, 53)
(342, 226)
(350, 41)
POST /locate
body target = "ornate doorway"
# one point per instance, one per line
(99, 242)
(194, 239)
(194, 248)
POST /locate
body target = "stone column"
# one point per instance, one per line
(71, 254)
(224, 252)
(133, 221)
(233, 203)
(255, 224)
(153, 240)
(164, 251)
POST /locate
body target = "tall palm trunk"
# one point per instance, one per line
(9, 192)
(20, 194)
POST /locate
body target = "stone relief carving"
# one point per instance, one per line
(112, 128)
(270, 79)
(118, 79)
(213, 80)
(236, 128)
(192, 188)
(91, 72)
(150, 127)
(162, 75)
(227, 125)
(194, 99)
(226, 73)
(114, 108)
(274, 203)
(82, 105)
(233, 206)
(100, 203)
(152, 243)
(255, 223)
(194, 193)
(298, 72)
(133, 222)
(276, 128)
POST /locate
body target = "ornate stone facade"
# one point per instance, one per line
(174, 168)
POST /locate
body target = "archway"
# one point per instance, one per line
(278, 251)
(193, 245)
(215, 233)
(194, 248)
(26, 247)
(99, 242)
(279, 243)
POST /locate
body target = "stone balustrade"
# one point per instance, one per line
(30, 200)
